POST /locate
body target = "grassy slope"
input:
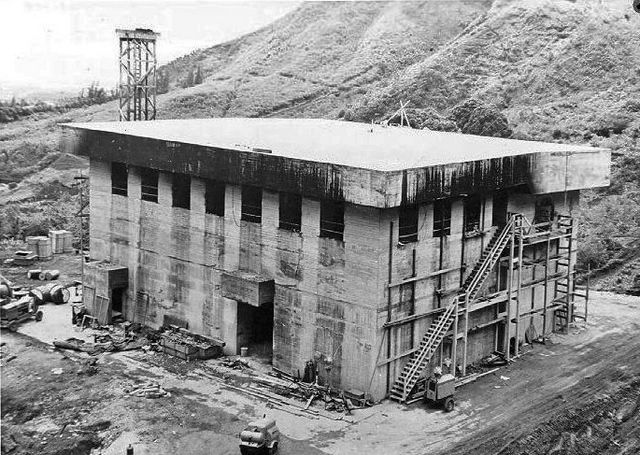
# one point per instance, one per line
(560, 70)
(328, 51)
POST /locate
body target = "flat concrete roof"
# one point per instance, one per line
(360, 145)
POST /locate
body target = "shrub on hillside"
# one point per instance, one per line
(610, 123)
(430, 119)
(605, 223)
(38, 218)
(474, 117)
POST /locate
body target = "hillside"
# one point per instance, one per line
(565, 70)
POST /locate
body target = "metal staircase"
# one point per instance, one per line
(415, 367)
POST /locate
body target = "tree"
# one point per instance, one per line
(162, 82)
(188, 81)
(429, 119)
(197, 76)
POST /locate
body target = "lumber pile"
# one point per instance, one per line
(104, 344)
(298, 397)
(179, 342)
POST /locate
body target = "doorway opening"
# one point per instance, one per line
(255, 330)
(500, 334)
(500, 203)
(117, 297)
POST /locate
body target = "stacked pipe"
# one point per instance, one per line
(56, 293)
(43, 275)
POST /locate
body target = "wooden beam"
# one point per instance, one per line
(413, 317)
(570, 276)
(397, 357)
(487, 324)
(538, 310)
(389, 303)
(546, 289)
(454, 343)
(423, 277)
(466, 336)
(519, 291)
(507, 337)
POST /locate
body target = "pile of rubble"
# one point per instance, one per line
(111, 338)
(149, 390)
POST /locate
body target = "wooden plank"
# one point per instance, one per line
(546, 289)
(519, 291)
(397, 357)
(423, 277)
(507, 341)
(102, 307)
(413, 317)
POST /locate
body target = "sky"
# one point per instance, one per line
(67, 44)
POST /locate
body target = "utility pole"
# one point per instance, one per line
(80, 182)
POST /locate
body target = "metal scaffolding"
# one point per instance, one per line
(137, 88)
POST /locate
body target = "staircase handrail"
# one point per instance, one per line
(417, 361)
(439, 325)
(470, 290)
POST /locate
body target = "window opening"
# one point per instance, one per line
(290, 211)
(332, 219)
(251, 204)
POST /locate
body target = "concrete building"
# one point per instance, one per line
(340, 243)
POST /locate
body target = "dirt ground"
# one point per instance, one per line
(578, 394)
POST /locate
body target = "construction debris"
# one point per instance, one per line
(149, 390)
(292, 392)
(24, 257)
(181, 343)
(235, 364)
(108, 343)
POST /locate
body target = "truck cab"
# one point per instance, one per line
(260, 437)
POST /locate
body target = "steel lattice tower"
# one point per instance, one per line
(138, 81)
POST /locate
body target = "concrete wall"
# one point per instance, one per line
(451, 253)
(325, 299)
(330, 296)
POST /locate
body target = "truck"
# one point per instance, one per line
(260, 437)
(440, 390)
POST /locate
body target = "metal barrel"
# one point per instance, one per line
(38, 294)
(5, 291)
(34, 274)
(59, 294)
(51, 274)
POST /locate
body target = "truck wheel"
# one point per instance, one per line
(449, 404)
(38, 316)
